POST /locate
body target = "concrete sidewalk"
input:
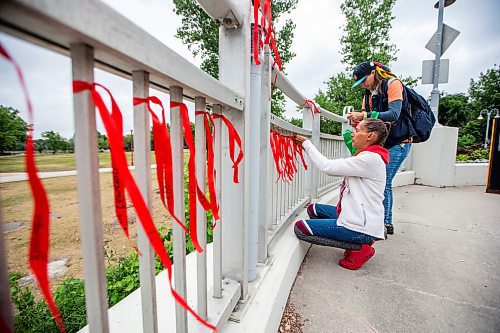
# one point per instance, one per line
(10, 177)
(439, 272)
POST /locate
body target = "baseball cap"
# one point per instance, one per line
(362, 71)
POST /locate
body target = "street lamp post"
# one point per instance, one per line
(487, 113)
(437, 62)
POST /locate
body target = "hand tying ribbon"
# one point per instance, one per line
(115, 141)
(40, 226)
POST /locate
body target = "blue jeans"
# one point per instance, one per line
(397, 155)
(323, 223)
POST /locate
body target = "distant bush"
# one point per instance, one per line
(475, 155)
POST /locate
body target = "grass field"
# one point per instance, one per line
(57, 162)
(17, 206)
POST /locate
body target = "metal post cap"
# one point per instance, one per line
(446, 3)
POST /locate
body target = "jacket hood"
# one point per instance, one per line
(384, 153)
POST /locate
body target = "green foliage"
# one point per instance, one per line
(55, 141)
(454, 110)
(368, 23)
(485, 92)
(102, 141)
(12, 129)
(475, 155)
(467, 141)
(201, 34)
(34, 316)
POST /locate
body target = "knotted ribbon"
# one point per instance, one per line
(312, 107)
(40, 226)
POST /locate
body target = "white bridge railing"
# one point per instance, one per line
(253, 212)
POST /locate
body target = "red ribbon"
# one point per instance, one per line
(285, 150)
(256, 36)
(40, 236)
(234, 139)
(312, 106)
(208, 119)
(163, 154)
(266, 28)
(115, 140)
(193, 189)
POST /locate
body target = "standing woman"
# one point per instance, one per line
(384, 99)
(359, 214)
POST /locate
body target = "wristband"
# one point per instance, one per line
(364, 115)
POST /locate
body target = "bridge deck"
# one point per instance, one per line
(440, 272)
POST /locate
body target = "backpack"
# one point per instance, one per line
(415, 121)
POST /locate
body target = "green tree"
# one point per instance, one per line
(12, 129)
(102, 141)
(454, 110)
(484, 93)
(201, 34)
(368, 23)
(54, 140)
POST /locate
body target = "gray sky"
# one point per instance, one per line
(316, 43)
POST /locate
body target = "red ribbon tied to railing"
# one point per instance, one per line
(40, 227)
(234, 139)
(208, 120)
(266, 28)
(312, 107)
(116, 145)
(163, 155)
(286, 152)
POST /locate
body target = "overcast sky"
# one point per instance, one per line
(316, 43)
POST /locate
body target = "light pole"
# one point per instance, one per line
(487, 113)
(437, 62)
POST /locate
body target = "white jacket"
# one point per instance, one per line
(363, 195)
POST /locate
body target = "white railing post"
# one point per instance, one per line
(234, 71)
(201, 223)
(217, 243)
(253, 155)
(179, 235)
(142, 162)
(311, 122)
(265, 180)
(89, 197)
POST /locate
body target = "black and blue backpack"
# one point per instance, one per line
(415, 121)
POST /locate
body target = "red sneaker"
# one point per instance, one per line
(348, 252)
(356, 259)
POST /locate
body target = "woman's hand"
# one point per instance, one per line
(355, 116)
(300, 139)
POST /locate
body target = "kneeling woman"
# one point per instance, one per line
(359, 214)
